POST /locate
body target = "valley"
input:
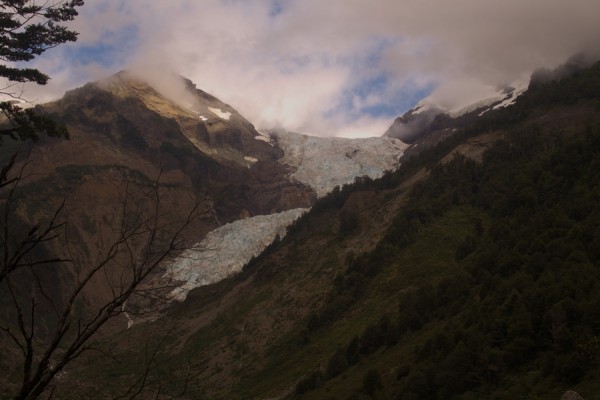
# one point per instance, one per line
(461, 265)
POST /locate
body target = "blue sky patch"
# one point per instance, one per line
(378, 93)
(276, 7)
(111, 51)
(399, 102)
(391, 102)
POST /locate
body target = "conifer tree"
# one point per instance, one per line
(27, 29)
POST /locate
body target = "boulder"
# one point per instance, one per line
(571, 395)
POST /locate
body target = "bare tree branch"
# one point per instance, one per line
(141, 241)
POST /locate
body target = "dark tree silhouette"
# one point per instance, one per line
(27, 29)
(44, 329)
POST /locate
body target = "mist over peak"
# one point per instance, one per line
(325, 68)
(412, 125)
(574, 64)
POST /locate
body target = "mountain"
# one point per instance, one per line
(205, 139)
(196, 144)
(471, 272)
(426, 124)
(140, 164)
(323, 164)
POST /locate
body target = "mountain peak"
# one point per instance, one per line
(427, 116)
(213, 127)
(171, 95)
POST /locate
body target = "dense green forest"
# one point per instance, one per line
(517, 307)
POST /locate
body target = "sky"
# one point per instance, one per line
(325, 67)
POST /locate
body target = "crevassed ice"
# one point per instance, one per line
(324, 163)
(227, 249)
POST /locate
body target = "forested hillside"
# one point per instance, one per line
(467, 274)
(507, 302)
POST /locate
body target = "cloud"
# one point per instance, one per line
(336, 67)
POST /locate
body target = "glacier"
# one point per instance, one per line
(319, 162)
(225, 250)
(326, 162)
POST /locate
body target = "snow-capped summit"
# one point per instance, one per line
(503, 98)
(428, 115)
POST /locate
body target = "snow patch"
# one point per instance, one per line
(422, 106)
(130, 321)
(203, 118)
(220, 113)
(475, 106)
(263, 138)
(251, 160)
(510, 100)
(227, 249)
(324, 163)
(502, 98)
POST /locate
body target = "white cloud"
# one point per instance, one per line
(301, 69)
